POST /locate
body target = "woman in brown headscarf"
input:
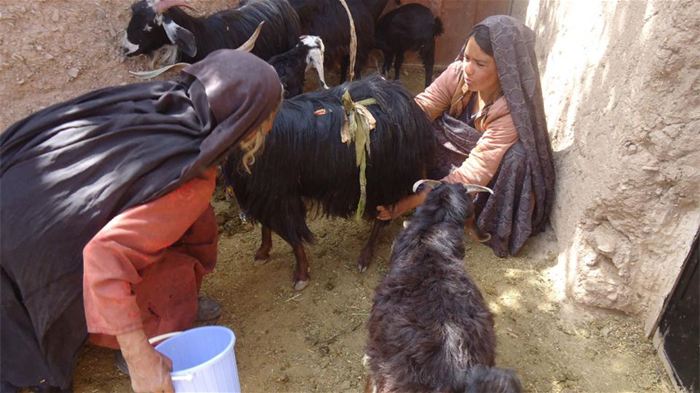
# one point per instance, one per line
(490, 124)
(106, 224)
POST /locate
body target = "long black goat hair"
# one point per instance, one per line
(304, 159)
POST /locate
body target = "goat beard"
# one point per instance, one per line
(252, 148)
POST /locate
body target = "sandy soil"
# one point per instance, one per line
(313, 341)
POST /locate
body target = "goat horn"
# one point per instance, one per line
(161, 6)
(153, 73)
(250, 44)
(477, 188)
(431, 183)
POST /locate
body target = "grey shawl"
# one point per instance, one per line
(524, 184)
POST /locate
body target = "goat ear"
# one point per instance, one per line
(178, 35)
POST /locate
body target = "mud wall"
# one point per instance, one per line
(620, 83)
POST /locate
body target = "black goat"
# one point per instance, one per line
(429, 325)
(376, 7)
(411, 27)
(156, 24)
(291, 66)
(304, 160)
(329, 20)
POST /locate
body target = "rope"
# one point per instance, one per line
(353, 42)
(359, 122)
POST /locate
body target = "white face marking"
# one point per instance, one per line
(314, 58)
(128, 45)
(308, 40)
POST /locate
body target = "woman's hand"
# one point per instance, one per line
(149, 370)
(386, 213)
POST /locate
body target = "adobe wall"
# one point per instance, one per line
(620, 84)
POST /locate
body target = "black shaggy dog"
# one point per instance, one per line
(411, 27)
(305, 162)
(429, 327)
(155, 24)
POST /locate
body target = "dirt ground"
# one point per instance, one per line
(313, 341)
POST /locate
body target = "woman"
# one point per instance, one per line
(490, 125)
(105, 215)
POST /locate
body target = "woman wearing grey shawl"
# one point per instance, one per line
(489, 120)
(106, 224)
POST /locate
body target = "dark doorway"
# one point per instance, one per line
(680, 324)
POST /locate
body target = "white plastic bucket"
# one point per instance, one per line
(203, 359)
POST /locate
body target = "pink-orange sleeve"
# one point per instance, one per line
(131, 241)
(484, 159)
(437, 98)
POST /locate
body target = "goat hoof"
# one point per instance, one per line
(361, 267)
(260, 261)
(300, 285)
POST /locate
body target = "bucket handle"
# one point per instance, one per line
(162, 337)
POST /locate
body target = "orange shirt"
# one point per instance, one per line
(115, 258)
(448, 93)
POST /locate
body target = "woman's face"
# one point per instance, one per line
(479, 69)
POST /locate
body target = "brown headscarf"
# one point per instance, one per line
(70, 168)
(238, 104)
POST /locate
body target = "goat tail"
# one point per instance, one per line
(437, 27)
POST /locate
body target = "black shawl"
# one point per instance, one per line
(68, 169)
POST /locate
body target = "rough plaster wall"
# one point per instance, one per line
(620, 83)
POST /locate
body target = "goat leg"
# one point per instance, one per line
(398, 62)
(301, 268)
(427, 55)
(388, 60)
(368, 250)
(263, 253)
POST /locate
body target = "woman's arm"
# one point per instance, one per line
(407, 203)
(149, 370)
(437, 98)
(113, 258)
(129, 243)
